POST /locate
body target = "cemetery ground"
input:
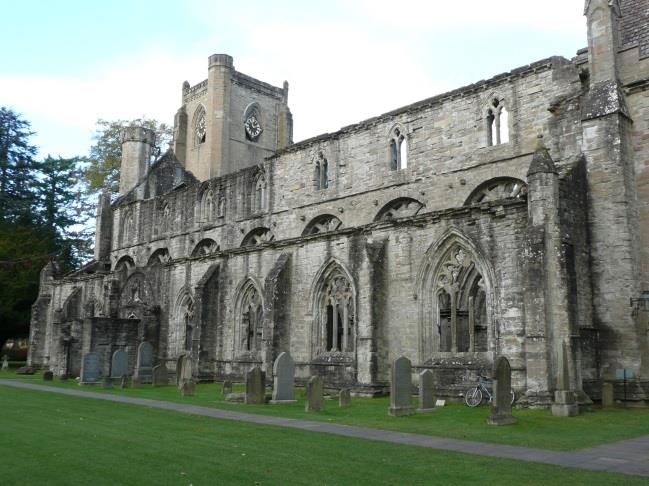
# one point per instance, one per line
(56, 439)
(534, 428)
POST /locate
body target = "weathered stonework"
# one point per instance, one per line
(414, 233)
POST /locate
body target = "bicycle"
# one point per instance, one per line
(474, 395)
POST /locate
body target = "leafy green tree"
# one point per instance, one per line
(16, 166)
(105, 158)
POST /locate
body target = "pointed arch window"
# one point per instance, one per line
(321, 172)
(322, 224)
(200, 126)
(497, 122)
(259, 194)
(398, 149)
(251, 319)
(335, 320)
(208, 206)
(128, 228)
(165, 218)
(182, 331)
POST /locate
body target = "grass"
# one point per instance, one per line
(54, 439)
(535, 428)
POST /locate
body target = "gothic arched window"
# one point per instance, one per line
(321, 172)
(335, 320)
(128, 228)
(322, 224)
(182, 330)
(200, 126)
(497, 189)
(259, 193)
(209, 206)
(398, 149)
(399, 208)
(250, 311)
(497, 122)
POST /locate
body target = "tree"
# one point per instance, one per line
(16, 166)
(106, 154)
(64, 210)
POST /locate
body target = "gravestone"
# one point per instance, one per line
(501, 404)
(608, 397)
(48, 375)
(123, 382)
(160, 375)
(426, 392)
(107, 383)
(565, 403)
(5, 362)
(184, 369)
(255, 386)
(345, 398)
(119, 364)
(187, 388)
(90, 368)
(144, 362)
(227, 387)
(401, 388)
(314, 390)
(283, 375)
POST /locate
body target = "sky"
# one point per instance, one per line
(66, 63)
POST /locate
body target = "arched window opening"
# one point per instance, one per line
(497, 121)
(164, 219)
(322, 224)
(208, 206)
(205, 247)
(258, 236)
(259, 194)
(200, 126)
(497, 190)
(399, 208)
(160, 256)
(188, 322)
(334, 307)
(338, 314)
(398, 149)
(461, 304)
(251, 319)
(128, 228)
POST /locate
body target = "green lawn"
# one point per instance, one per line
(50, 439)
(535, 428)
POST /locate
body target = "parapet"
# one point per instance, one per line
(220, 60)
(138, 134)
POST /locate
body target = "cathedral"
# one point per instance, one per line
(505, 218)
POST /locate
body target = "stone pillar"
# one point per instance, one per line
(612, 204)
(548, 320)
(370, 279)
(137, 144)
(219, 83)
(103, 227)
(284, 121)
(180, 133)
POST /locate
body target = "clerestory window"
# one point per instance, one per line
(497, 123)
(398, 150)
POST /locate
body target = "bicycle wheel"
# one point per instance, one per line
(513, 397)
(473, 397)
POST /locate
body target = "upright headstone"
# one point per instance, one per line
(608, 397)
(314, 398)
(426, 392)
(283, 376)
(90, 368)
(187, 388)
(401, 388)
(144, 362)
(5, 362)
(119, 364)
(184, 369)
(565, 403)
(501, 404)
(160, 375)
(48, 375)
(227, 387)
(255, 386)
(344, 398)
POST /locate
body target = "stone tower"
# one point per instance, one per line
(230, 121)
(137, 143)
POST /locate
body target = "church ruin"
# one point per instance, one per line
(509, 217)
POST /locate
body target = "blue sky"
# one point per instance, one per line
(66, 63)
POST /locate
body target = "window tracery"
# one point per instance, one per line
(322, 224)
(258, 236)
(399, 208)
(200, 126)
(498, 189)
